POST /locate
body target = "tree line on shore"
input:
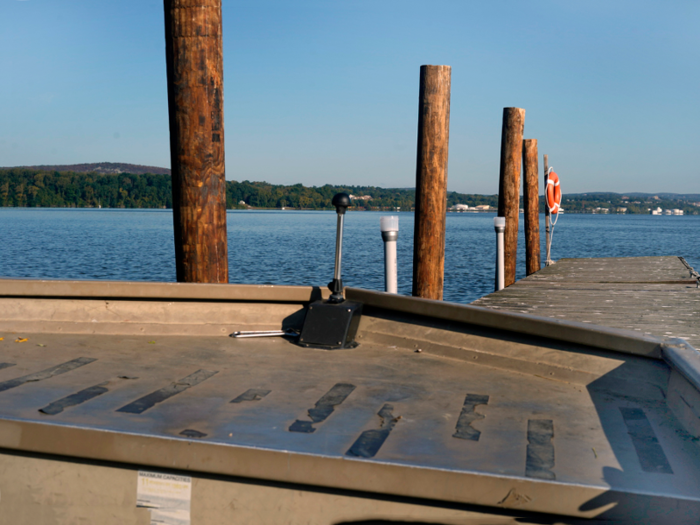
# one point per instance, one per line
(32, 187)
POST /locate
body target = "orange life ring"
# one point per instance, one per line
(553, 192)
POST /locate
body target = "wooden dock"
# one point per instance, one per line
(652, 295)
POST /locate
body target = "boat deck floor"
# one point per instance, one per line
(266, 407)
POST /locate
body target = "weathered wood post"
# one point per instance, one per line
(509, 184)
(547, 218)
(431, 181)
(531, 203)
(194, 58)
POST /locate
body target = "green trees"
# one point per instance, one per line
(32, 188)
(25, 187)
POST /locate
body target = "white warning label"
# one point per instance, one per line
(167, 495)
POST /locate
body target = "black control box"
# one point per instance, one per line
(331, 325)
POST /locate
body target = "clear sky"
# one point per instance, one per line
(327, 91)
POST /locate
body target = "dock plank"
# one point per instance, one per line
(652, 295)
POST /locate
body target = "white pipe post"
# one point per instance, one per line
(499, 224)
(390, 233)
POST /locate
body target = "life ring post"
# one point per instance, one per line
(547, 216)
(509, 184)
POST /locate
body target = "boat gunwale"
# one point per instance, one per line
(151, 290)
(677, 353)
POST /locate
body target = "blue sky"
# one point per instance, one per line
(327, 91)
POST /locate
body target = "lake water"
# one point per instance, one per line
(295, 247)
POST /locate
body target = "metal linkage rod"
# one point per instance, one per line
(341, 201)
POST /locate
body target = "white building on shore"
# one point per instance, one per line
(472, 209)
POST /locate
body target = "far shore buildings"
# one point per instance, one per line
(659, 211)
(465, 207)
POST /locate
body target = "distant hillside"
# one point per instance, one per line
(42, 187)
(106, 168)
(112, 185)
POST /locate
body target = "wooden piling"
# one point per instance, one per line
(509, 184)
(431, 182)
(194, 58)
(531, 204)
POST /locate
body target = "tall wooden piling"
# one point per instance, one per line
(194, 58)
(431, 181)
(509, 184)
(531, 204)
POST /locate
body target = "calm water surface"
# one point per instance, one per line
(294, 247)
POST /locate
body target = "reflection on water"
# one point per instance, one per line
(293, 247)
